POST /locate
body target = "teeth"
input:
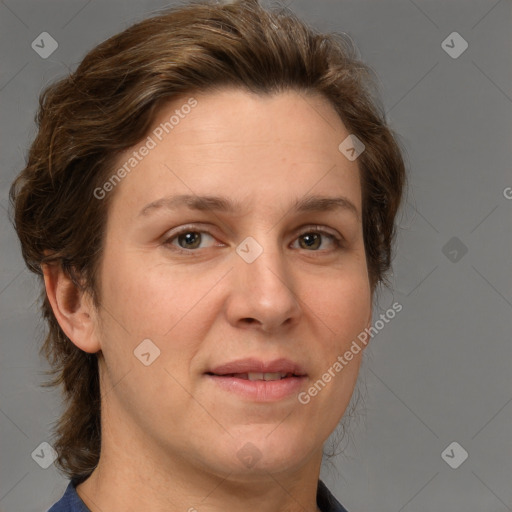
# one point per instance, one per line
(266, 376)
(260, 375)
(274, 376)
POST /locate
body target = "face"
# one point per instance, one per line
(265, 271)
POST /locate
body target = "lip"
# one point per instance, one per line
(259, 390)
(253, 365)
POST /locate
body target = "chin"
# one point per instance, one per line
(270, 448)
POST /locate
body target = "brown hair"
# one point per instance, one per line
(108, 104)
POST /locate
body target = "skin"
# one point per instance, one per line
(169, 436)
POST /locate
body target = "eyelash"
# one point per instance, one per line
(338, 242)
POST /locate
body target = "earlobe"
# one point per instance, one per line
(72, 308)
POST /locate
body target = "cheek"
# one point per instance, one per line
(160, 303)
(339, 312)
(164, 302)
(343, 305)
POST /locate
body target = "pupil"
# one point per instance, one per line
(191, 239)
(310, 239)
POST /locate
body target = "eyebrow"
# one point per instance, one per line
(305, 204)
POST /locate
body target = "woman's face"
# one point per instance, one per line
(246, 275)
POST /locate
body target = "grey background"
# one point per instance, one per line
(440, 371)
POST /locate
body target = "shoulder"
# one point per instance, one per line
(326, 501)
(70, 501)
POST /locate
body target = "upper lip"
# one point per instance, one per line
(253, 365)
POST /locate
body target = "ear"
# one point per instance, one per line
(73, 308)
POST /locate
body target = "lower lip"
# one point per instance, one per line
(260, 390)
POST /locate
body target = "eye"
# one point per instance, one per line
(314, 239)
(188, 240)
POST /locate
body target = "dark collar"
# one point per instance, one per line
(71, 501)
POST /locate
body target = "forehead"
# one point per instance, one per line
(250, 148)
(236, 116)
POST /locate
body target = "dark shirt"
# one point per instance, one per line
(71, 502)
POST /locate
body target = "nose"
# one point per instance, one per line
(263, 293)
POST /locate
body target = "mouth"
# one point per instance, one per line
(256, 376)
(256, 369)
(257, 381)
